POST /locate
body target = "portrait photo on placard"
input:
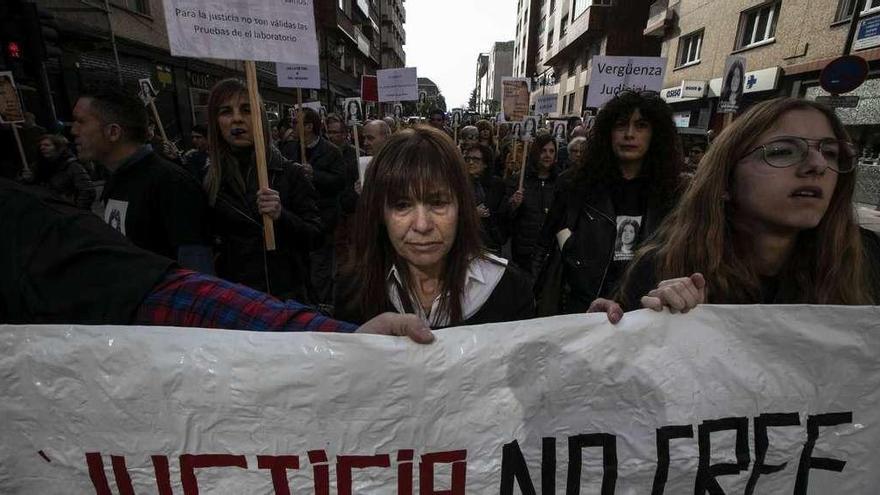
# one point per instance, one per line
(627, 235)
(560, 130)
(529, 128)
(353, 111)
(732, 85)
(516, 130)
(456, 118)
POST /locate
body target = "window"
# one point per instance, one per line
(139, 6)
(542, 24)
(564, 102)
(572, 66)
(198, 101)
(845, 8)
(570, 103)
(689, 49)
(563, 26)
(552, 6)
(550, 40)
(758, 25)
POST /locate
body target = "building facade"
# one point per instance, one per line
(482, 82)
(348, 33)
(557, 40)
(500, 66)
(785, 43)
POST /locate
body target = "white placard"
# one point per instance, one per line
(146, 92)
(298, 76)
(398, 84)
(281, 31)
(363, 164)
(354, 111)
(545, 104)
(655, 404)
(611, 75)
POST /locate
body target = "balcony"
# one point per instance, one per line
(591, 24)
(660, 17)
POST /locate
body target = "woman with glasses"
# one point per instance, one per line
(629, 176)
(417, 246)
(488, 193)
(768, 218)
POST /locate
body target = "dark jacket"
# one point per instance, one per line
(489, 191)
(65, 177)
(239, 226)
(329, 179)
(348, 199)
(511, 300)
(61, 264)
(588, 253)
(525, 222)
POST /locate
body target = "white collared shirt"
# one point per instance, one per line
(483, 275)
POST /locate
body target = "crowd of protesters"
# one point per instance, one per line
(450, 226)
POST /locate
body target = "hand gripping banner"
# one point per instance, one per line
(726, 399)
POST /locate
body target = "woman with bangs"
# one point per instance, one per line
(767, 219)
(416, 246)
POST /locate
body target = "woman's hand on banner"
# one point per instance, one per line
(678, 294)
(609, 307)
(399, 325)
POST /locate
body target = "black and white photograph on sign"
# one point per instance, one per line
(353, 112)
(529, 128)
(560, 130)
(732, 85)
(516, 130)
(114, 214)
(423, 97)
(398, 110)
(627, 234)
(146, 91)
(456, 118)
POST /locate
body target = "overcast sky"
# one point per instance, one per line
(443, 39)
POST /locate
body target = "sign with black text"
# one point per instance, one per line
(611, 75)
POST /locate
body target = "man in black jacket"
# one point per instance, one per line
(153, 202)
(325, 167)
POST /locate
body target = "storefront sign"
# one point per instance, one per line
(688, 90)
(868, 33)
(682, 119)
(756, 81)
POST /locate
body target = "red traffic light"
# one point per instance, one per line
(13, 49)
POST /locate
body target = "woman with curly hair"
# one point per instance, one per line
(630, 171)
(767, 219)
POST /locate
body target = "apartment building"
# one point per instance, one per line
(786, 44)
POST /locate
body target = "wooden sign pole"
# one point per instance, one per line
(357, 144)
(514, 144)
(301, 126)
(21, 153)
(158, 120)
(259, 146)
(522, 169)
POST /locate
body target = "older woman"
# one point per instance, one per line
(417, 242)
(59, 171)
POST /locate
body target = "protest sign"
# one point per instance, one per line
(398, 84)
(398, 110)
(298, 76)
(733, 84)
(369, 88)
(611, 75)
(353, 110)
(281, 31)
(560, 130)
(545, 104)
(10, 104)
(514, 98)
(12, 113)
(754, 399)
(147, 93)
(529, 128)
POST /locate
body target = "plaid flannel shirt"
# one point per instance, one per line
(190, 299)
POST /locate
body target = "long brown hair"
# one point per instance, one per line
(412, 164)
(224, 167)
(827, 265)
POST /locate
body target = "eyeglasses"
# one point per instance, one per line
(791, 150)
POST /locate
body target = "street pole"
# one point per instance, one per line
(113, 40)
(853, 26)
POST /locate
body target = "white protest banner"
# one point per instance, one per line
(398, 84)
(545, 104)
(281, 31)
(515, 98)
(611, 75)
(725, 399)
(298, 76)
